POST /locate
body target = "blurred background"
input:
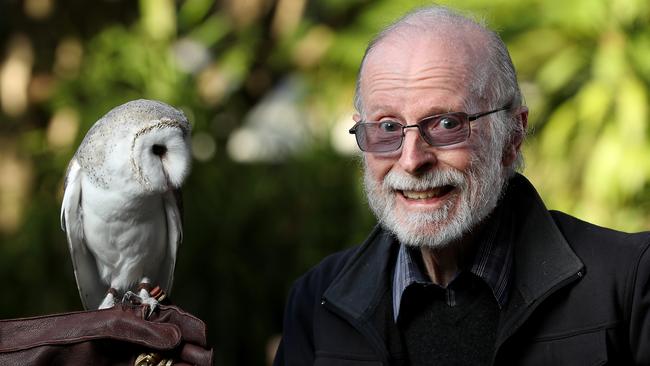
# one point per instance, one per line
(268, 87)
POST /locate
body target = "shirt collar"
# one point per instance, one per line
(492, 263)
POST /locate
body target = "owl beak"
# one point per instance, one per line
(159, 150)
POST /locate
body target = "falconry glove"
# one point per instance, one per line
(121, 335)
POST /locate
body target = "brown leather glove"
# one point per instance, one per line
(113, 336)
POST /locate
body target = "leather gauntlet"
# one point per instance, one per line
(115, 336)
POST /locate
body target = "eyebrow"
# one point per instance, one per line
(433, 111)
(379, 111)
(436, 110)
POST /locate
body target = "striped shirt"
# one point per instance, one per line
(492, 263)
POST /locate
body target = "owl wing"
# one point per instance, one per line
(173, 203)
(91, 288)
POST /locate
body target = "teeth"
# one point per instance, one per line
(419, 195)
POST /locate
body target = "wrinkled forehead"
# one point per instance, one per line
(457, 52)
(409, 48)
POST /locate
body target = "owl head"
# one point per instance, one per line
(141, 144)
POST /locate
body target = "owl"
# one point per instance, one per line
(121, 209)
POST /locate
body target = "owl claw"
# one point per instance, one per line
(142, 299)
(151, 302)
(131, 298)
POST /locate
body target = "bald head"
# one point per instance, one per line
(420, 57)
(494, 76)
(473, 57)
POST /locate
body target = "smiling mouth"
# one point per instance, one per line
(427, 194)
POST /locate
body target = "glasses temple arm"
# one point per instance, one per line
(472, 117)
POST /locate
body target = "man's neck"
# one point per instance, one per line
(443, 264)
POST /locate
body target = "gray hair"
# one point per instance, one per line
(495, 78)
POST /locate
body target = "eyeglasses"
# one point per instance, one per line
(439, 130)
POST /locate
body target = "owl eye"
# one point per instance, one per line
(159, 150)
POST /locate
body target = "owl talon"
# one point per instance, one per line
(142, 299)
(152, 308)
(148, 300)
(131, 298)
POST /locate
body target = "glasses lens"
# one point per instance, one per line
(446, 129)
(379, 136)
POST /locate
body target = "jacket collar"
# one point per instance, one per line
(357, 289)
(543, 260)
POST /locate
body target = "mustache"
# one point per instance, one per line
(431, 179)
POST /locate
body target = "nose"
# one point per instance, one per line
(417, 155)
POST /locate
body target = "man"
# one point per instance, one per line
(466, 265)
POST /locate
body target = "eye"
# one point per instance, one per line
(449, 123)
(389, 126)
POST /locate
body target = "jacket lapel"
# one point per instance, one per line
(543, 260)
(355, 294)
(357, 288)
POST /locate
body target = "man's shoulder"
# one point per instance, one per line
(591, 241)
(326, 270)
(321, 276)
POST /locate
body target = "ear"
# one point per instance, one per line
(512, 147)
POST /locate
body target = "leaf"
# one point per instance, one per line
(561, 69)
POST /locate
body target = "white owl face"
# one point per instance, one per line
(142, 146)
(160, 155)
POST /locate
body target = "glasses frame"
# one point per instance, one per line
(464, 117)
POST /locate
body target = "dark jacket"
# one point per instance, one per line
(580, 296)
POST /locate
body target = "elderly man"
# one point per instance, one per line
(466, 265)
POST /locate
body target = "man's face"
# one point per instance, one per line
(428, 196)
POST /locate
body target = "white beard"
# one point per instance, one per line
(476, 195)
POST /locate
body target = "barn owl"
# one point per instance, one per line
(121, 207)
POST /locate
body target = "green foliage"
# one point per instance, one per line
(590, 151)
